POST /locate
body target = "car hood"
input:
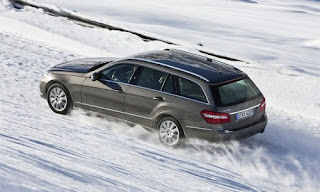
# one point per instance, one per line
(84, 65)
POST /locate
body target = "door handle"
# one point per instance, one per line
(158, 98)
(118, 90)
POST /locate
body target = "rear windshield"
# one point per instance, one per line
(235, 92)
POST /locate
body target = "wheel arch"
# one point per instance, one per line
(166, 114)
(51, 82)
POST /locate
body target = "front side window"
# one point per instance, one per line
(149, 78)
(119, 73)
(189, 89)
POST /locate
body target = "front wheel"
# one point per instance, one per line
(170, 132)
(58, 99)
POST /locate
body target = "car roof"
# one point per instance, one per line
(210, 70)
(92, 60)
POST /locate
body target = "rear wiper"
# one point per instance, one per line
(242, 100)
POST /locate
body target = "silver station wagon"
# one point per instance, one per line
(177, 93)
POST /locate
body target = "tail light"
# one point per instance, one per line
(215, 117)
(263, 105)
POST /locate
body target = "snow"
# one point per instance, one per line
(43, 151)
(271, 31)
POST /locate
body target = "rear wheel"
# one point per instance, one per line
(170, 132)
(58, 99)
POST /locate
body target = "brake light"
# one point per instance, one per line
(263, 105)
(215, 117)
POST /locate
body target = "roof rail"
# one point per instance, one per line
(207, 53)
(207, 58)
(171, 67)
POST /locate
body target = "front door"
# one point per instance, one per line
(106, 95)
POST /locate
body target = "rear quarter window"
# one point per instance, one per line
(190, 89)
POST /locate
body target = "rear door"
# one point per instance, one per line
(148, 94)
(107, 94)
(242, 100)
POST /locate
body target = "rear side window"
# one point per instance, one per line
(235, 92)
(149, 78)
(119, 73)
(189, 89)
(168, 86)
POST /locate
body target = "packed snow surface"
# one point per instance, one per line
(43, 151)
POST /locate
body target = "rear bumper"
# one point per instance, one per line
(244, 133)
(222, 135)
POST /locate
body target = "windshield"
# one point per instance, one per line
(235, 92)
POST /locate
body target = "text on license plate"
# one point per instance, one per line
(244, 114)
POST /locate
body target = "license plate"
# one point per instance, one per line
(244, 114)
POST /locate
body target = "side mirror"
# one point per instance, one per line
(95, 76)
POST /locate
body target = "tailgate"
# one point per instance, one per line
(241, 99)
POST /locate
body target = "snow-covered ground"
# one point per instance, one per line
(43, 151)
(281, 32)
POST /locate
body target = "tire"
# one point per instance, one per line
(59, 99)
(170, 132)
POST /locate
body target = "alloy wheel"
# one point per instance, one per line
(58, 99)
(169, 132)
